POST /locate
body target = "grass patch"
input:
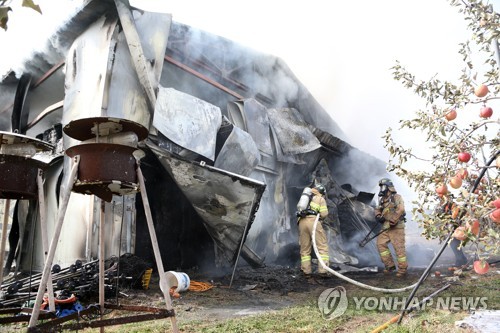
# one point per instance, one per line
(307, 318)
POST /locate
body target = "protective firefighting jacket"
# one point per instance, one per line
(318, 204)
(392, 208)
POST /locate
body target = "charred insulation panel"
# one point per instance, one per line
(226, 202)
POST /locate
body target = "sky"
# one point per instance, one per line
(342, 51)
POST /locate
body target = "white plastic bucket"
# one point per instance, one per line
(179, 280)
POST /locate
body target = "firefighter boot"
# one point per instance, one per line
(402, 269)
(306, 266)
(385, 256)
(389, 270)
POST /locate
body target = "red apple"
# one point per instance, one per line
(464, 157)
(456, 181)
(460, 233)
(442, 189)
(451, 115)
(495, 215)
(485, 112)
(481, 90)
(495, 203)
(481, 266)
(473, 227)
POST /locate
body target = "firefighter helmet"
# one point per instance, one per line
(385, 181)
(385, 185)
(321, 189)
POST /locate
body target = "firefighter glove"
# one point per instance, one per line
(380, 219)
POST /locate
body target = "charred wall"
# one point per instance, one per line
(7, 94)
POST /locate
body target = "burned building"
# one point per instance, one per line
(229, 137)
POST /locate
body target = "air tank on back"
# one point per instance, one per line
(304, 199)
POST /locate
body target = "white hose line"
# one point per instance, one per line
(343, 277)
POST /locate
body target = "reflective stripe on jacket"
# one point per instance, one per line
(318, 204)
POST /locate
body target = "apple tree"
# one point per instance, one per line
(460, 126)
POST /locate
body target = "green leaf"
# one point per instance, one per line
(4, 17)
(32, 5)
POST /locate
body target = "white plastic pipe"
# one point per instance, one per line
(343, 277)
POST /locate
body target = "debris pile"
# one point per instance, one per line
(78, 282)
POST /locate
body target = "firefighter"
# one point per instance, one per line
(391, 213)
(317, 205)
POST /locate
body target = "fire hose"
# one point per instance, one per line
(343, 277)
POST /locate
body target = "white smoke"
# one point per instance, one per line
(28, 31)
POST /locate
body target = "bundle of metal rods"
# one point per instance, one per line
(79, 279)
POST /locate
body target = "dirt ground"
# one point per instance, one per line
(252, 291)
(255, 291)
